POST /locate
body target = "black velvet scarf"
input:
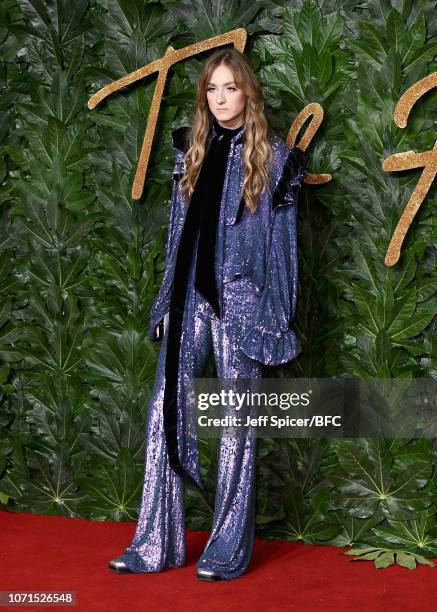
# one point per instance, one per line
(208, 193)
(201, 221)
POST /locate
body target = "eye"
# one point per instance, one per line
(232, 88)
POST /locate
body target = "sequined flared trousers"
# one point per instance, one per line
(159, 539)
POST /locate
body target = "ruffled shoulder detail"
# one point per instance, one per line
(293, 174)
(180, 138)
(271, 349)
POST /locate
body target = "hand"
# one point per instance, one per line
(161, 328)
(159, 331)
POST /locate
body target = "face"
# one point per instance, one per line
(225, 100)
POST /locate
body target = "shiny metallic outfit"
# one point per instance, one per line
(256, 273)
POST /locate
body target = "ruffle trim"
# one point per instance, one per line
(271, 349)
(180, 138)
(293, 174)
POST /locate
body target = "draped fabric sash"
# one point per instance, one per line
(200, 228)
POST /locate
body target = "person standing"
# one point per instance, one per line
(229, 289)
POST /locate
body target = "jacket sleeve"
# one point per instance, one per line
(270, 339)
(160, 305)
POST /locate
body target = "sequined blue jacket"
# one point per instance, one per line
(260, 247)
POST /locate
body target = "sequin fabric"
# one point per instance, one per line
(198, 239)
(256, 271)
(159, 540)
(260, 246)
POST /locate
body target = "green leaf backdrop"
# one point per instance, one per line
(81, 261)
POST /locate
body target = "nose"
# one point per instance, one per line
(220, 97)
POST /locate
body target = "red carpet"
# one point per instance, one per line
(55, 553)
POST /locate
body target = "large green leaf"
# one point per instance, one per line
(81, 262)
(367, 479)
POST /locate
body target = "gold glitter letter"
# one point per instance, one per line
(162, 66)
(316, 111)
(409, 160)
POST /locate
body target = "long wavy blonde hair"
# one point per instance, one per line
(257, 153)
